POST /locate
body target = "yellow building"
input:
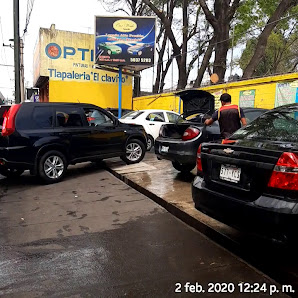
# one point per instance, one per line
(64, 71)
(268, 92)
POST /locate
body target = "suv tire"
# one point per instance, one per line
(134, 151)
(184, 167)
(52, 166)
(11, 173)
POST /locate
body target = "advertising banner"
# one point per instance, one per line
(217, 95)
(126, 41)
(286, 93)
(247, 98)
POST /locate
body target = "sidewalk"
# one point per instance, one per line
(158, 180)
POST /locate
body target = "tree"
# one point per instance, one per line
(281, 54)
(179, 52)
(260, 47)
(220, 19)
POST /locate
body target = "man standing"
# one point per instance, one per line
(229, 116)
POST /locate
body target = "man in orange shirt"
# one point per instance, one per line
(229, 116)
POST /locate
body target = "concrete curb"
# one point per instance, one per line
(216, 236)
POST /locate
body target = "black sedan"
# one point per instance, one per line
(251, 180)
(179, 142)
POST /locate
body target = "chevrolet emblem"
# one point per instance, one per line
(228, 150)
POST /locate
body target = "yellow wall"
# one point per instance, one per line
(165, 101)
(106, 97)
(265, 89)
(67, 59)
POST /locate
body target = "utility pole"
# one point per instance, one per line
(16, 50)
(22, 70)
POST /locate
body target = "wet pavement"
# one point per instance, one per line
(94, 236)
(158, 180)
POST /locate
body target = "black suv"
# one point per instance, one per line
(45, 137)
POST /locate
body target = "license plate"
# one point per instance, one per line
(164, 149)
(231, 174)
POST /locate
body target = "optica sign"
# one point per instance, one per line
(54, 51)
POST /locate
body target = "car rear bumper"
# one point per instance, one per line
(267, 216)
(183, 152)
(13, 157)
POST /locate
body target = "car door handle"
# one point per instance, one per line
(63, 134)
(151, 124)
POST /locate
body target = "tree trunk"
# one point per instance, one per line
(204, 64)
(284, 6)
(221, 32)
(165, 71)
(182, 82)
(224, 11)
(159, 70)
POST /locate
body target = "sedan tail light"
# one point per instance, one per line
(199, 160)
(8, 126)
(190, 133)
(285, 172)
(226, 141)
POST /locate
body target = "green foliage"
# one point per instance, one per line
(281, 54)
(252, 16)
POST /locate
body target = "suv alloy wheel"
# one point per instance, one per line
(134, 151)
(52, 166)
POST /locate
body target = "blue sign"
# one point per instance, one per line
(125, 41)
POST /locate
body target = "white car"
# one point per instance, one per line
(151, 120)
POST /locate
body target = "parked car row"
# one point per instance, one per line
(152, 121)
(250, 181)
(179, 142)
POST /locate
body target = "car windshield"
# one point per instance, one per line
(279, 126)
(132, 115)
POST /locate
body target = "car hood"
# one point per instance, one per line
(196, 101)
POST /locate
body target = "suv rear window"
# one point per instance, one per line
(280, 126)
(42, 117)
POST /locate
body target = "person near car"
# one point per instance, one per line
(229, 116)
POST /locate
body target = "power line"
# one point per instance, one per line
(3, 51)
(228, 39)
(6, 65)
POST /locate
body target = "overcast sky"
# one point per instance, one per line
(71, 15)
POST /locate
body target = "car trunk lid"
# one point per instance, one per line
(196, 101)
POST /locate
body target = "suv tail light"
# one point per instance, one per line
(199, 160)
(285, 172)
(190, 133)
(8, 126)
